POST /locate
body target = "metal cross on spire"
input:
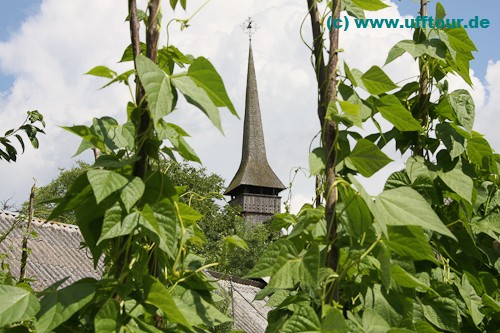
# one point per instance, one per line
(250, 27)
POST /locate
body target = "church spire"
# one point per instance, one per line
(254, 170)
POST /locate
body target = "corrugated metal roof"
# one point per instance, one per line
(56, 252)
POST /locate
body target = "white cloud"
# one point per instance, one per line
(53, 49)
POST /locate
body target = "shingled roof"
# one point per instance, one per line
(254, 168)
(56, 253)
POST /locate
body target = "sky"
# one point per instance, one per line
(46, 46)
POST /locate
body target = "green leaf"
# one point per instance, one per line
(184, 149)
(373, 322)
(395, 52)
(357, 212)
(471, 299)
(405, 206)
(367, 158)
(107, 318)
(317, 161)
(17, 305)
(478, 148)
(308, 270)
(462, 103)
(352, 112)
(458, 182)
(303, 320)
(333, 320)
(60, 305)
(197, 309)
(405, 279)
(440, 12)
(113, 225)
(86, 134)
(442, 312)
(391, 109)
(203, 73)
(491, 302)
(157, 86)
(371, 5)
(158, 295)
(266, 265)
(102, 71)
(236, 241)
(128, 54)
(459, 40)
(410, 241)
(377, 82)
(452, 138)
(132, 192)
(198, 97)
(349, 75)
(105, 182)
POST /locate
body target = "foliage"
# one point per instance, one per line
(204, 193)
(423, 255)
(30, 127)
(131, 213)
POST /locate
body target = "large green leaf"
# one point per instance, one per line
(197, 309)
(105, 182)
(442, 312)
(462, 103)
(317, 161)
(459, 39)
(458, 182)
(452, 138)
(266, 265)
(303, 320)
(113, 225)
(86, 134)
(373, 322)
(60, 305)
(158, 295)
(156, 83)
(405, 206)
(132, 192)
(377, 82)
(205, 76)
(366, 158)
(198, 97)
(17, 304)
(471, 299)
(478, 148)
(391, 109)
(410, 241)
(405, 279)
(107, 318)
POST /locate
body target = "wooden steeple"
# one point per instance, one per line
(255, 187)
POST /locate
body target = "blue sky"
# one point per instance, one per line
(45, 49)
(12, 14)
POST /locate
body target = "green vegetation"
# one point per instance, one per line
(422, 256)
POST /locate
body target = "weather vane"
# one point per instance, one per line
(250, 27)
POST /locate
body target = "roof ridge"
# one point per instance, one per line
(42, 221)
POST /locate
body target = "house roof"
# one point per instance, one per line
(254, 168)
(56, 253)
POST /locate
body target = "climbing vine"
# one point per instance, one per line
(423, 255)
